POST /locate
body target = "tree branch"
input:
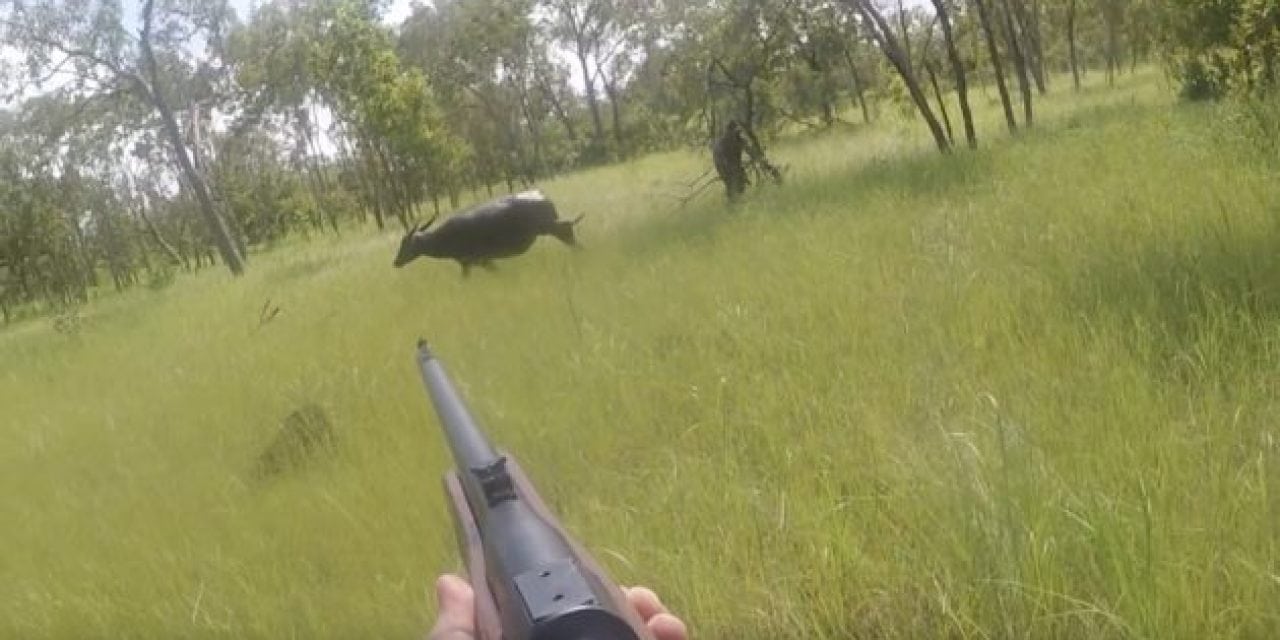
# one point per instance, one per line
(29, 34)
(86, 55)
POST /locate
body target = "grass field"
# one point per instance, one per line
(1028, 392)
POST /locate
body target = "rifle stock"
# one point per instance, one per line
(532, 579)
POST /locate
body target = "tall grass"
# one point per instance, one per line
(1023, 392)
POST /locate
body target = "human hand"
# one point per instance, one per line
(456, 617)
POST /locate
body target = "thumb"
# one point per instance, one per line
(456, 610)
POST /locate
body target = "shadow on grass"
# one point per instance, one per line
(1207, 304)
(695, 224)
(915, 179)
(301, 269)
(918, 177)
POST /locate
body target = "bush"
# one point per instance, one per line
(68, 320)
(161, 277)
(1252, 125)
(1200, 80)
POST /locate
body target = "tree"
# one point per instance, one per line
(1016, 44)
(1027, 21)
(390, 113)
(997, 67)
(1217, 47)
(596, 33)
(893, 50)
(276, 103)
(484, 59)
(821, 37)
(1071, 43)
(106, 60)
(1113, 14)
(957, 70)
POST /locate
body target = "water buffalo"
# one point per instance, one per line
(500, 228)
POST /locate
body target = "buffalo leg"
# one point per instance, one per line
(488, 265)
(466, 268)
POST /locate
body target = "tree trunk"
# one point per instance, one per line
(984, 20)
(83, 261)
(942, 103)
(318, 168)
(905, 36)
(749, 108)
(348, 159)
(539, 166)
(857, 86)
(367, 173)
(24, 280)
(217, 227)
(957, 69)
(593, 104)
(313, 144)
(759, 160)
(1019, 63)
(1028, 25)
(222, 238)
(558, 107)
(1113, 45)
(155, 235)
(615, 106)
(395, 193)
(883, 34)
(1042, 75)
(1071, 44)
(1269, 65)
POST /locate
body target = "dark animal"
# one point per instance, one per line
(500, 228)
(303, 434)
(727, 155)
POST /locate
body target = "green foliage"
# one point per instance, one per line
(388, 107)
(1219, 47)
(484, 60)
(897, 95)
(1202, 79)
(38, 239)
(161, 278)
(1251, 125)
(1256, 34)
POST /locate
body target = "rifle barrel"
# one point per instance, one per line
(471, 449)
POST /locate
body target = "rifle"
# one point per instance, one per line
(532, 580)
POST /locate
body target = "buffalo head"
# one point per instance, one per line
(410, 244)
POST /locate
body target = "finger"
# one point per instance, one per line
(645, 601)
(665, 626)
(455, 618)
